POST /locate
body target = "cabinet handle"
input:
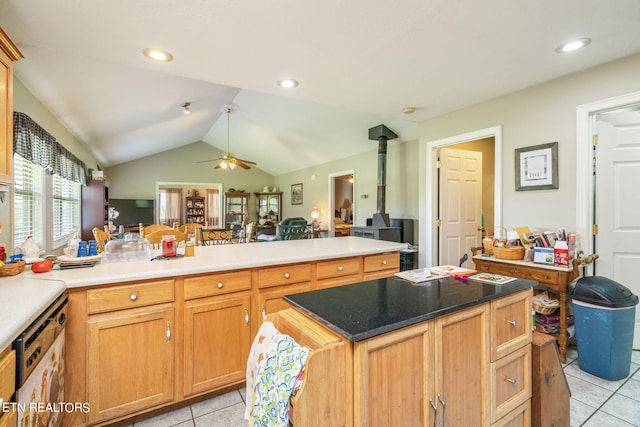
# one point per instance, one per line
(220, 285)
(485, 268)
(287, 275)
(435, 416)
(246, 317)
(545, 277)
(384, 262)
(444, 411)
(264, 311)
(513, 323)
(340, 268)
(514, 271)
(133, 297)
(168, 333)
(510, 380)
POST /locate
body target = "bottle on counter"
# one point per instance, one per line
(190, 247)
(169, 246)
(3, 253)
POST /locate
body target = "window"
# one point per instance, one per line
(27, 201)
(66, 209)
(46, 207)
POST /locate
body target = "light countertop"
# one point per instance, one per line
(21, 302)
(219, 258)
(25, 296)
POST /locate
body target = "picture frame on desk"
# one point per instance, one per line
(537, 167)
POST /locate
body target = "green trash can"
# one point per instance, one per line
(604, 313)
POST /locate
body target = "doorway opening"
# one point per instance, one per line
(479, 140)
(341, 202)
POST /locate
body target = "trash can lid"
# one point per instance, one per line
(604, 292)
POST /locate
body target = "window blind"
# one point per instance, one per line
(28, 195)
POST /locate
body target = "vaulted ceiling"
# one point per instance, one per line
(358, 63)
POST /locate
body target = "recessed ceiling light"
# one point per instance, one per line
(409, 110)
(287, 83)
(156, 54)
(573, 45)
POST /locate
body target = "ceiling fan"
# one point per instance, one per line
(228, 160)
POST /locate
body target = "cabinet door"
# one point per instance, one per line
(130, 361)
(393, 379)
(270, 300)
(461, 363)
(217, 338)
(6, 119)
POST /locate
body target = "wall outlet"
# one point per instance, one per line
(364, 196)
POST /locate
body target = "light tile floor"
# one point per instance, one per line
(594, 402)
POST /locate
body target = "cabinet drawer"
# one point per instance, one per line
(388, 261)
(216, 284)
(548, 277)
(285, 275)
(7, 375)
(337, 268)
(510, 379)
(129, 296)
(511, 325)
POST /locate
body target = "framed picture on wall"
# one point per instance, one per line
(537, 167)
(296, 194)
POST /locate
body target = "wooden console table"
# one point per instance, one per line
(550, 276)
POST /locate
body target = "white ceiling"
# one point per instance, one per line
(358, 63)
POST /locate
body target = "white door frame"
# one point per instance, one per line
(584, 161)
(427, 227)
(331, 202)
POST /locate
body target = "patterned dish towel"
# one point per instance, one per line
(280, 363)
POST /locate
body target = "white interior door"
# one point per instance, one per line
(617, 202)
(460, 204)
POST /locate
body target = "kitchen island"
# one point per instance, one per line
(150, 334)
(444, 351)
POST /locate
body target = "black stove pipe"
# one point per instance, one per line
(382, 134)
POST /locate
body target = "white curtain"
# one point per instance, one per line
(174, 205)
(213, 207)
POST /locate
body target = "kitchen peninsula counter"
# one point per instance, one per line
(209, 259)
(364, 310)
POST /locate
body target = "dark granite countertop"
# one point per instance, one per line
(366, 309)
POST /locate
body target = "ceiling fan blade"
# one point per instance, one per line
(206, 161)
(240, 163)
(247, 161)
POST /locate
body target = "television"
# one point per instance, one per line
(132, 211)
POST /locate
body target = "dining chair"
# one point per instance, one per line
(216, 236)
(144, 230)
(190, 228)
(101, 237)
(155, 237)
(248, 233)
(291, 229)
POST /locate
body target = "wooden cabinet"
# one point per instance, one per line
(9, 52)
(195, 210)
(130, 340)
(236, 206)
(393, 378)
(7, 385)
(441, 372)
(337, 272)
(217, 339)
(381, 265)
(126, 334)
(95, 207)
(130, 361)
(269, 207)
(217, 330)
